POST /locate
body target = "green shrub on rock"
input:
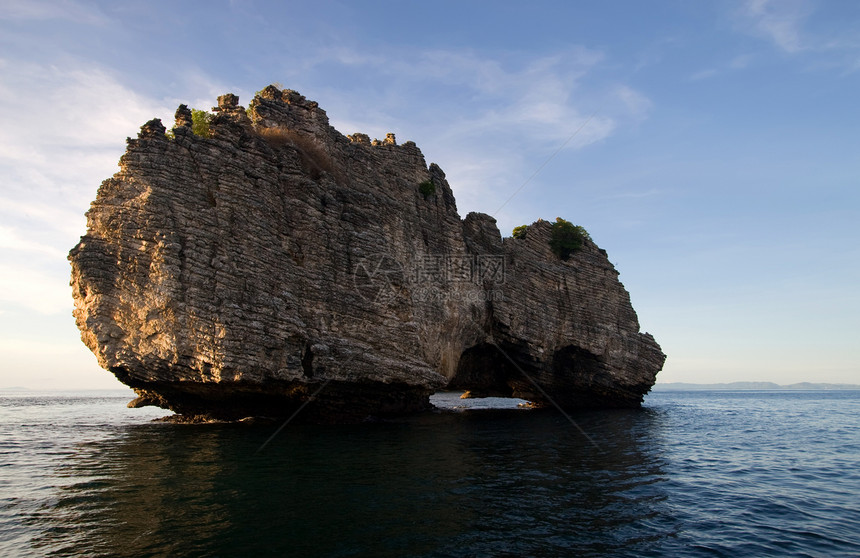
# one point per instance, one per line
(200, 122)
(427, 188)
(566, 238)
(520, 232)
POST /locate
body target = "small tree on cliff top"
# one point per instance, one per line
(566, 238)
(200, 120)
(520, 232)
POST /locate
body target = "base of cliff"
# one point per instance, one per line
(336, 402)
(322, 402)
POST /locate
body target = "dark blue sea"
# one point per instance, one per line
(712, 473)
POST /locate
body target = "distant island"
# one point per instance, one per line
(681, 386)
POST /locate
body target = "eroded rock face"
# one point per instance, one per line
(278, 261)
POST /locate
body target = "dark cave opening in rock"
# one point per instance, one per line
(486, 378)
(484, 371)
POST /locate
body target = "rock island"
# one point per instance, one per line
(266, 261)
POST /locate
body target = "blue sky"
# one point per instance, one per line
(712, 148)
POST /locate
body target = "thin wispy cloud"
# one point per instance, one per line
(60, 10)
(789, 25)
(52, 161)
(11, 240)
(638, 105)
(635, 195)
(741, 61)
(488, 93)
(779, 21)
(704, 74)
(815, 33)
(489, 121)
(78, 132)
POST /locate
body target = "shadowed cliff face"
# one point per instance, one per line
(279, 261)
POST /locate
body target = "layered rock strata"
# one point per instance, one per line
(277, 262)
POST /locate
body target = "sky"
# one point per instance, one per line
(712, 148)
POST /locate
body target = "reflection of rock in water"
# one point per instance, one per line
(234, 275)
(152, 492)
(443, 484)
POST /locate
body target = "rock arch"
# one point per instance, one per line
(485, 371)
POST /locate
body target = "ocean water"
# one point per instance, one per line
(690, 474)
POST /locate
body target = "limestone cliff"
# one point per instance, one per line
(242, 273)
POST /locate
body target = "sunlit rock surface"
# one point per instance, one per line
(278, 261)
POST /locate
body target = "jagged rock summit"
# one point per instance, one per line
(274, 261)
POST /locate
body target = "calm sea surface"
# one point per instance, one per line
(691, 474)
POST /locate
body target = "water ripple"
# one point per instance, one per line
(691, 474)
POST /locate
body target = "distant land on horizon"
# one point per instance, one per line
(61, 390)
(678, 386)
(669, 386)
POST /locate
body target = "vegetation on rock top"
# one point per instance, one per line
(427, 188)
(520, 232)
(566, 238)
(200, 122)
